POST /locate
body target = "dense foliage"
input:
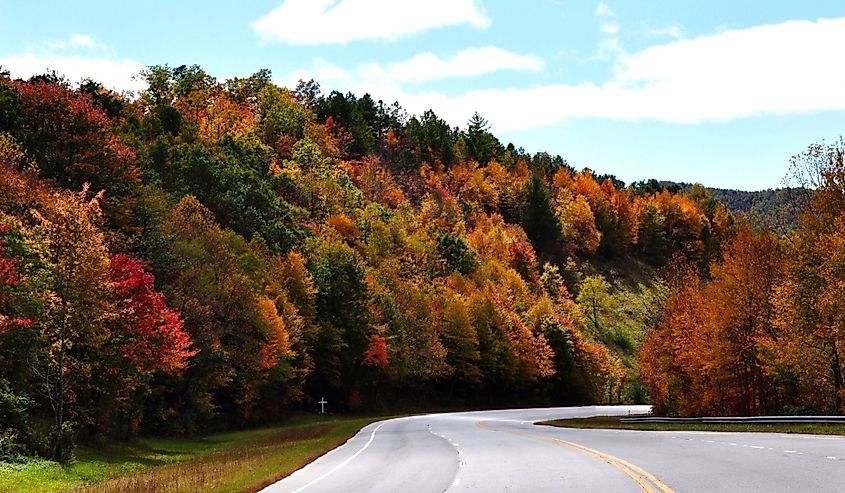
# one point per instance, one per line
(214, 254)
(779, 209)
(763, 332)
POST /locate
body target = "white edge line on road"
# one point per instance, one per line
(335, 468)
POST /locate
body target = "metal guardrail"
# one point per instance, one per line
(775, 420)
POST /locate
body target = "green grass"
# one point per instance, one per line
(227, 462)
(613, 422)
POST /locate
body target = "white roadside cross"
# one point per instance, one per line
(322, 404)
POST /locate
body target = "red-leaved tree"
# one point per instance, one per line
(152, 334)
(376, 352)
(9, 276)
(148, 339)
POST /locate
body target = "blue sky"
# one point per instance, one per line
(718, 92)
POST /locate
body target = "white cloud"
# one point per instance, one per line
(608, 25)
(610, 49)
(82, 40)
(672, 31)
(610, 28)
(114, 74)
(774, 69)
(602, 10)
(312, 22)
(78, 57)
(466, 63)
(75, 41)
(385, 80)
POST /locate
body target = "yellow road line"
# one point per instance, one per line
(617, 462)
(644, 479)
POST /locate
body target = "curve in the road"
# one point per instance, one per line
(644, 479)
(492, 451)
(339, 466)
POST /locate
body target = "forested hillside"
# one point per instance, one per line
(216, 253)
(762, 331)
(777, 209)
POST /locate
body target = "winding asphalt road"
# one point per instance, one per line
(493, 451)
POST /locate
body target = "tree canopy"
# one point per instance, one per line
(215, 254)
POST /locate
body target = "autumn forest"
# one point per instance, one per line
(211, 255)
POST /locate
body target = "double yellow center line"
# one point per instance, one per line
(647, 481)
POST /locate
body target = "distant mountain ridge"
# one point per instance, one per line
(777, 209)
(771, 208)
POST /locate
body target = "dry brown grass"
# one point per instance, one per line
(245, 467)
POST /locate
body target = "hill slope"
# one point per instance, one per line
(214, 254)
(776, 209)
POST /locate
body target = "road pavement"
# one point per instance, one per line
(503, 451)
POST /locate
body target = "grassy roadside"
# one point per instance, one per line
(242, 461)
(613, 422)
